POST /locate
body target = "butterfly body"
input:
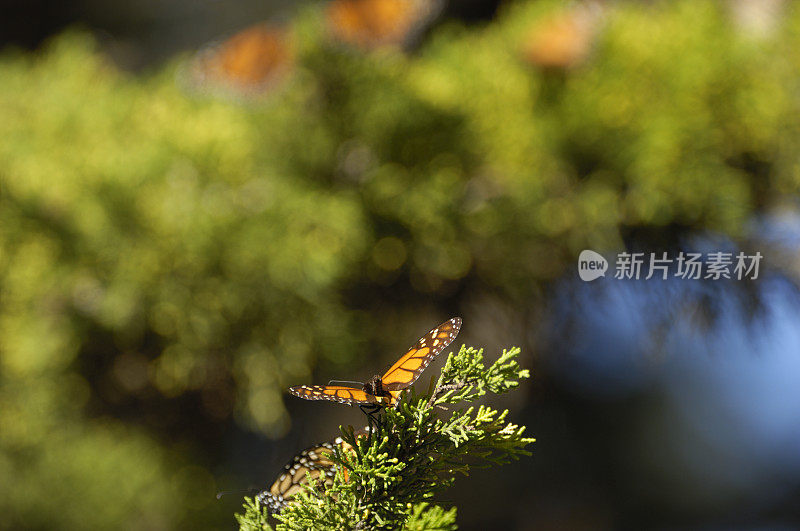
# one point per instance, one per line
(385, 390)
(374, 386)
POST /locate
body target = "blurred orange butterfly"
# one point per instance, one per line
(385, 390)
(563, 40)
(312, 463)
(247, 64)
(372, 23)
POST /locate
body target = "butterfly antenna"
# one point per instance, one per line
(222, 493)
(359, 384)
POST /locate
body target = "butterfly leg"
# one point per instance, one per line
(370, 411)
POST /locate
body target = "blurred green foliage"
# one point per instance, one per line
(160, 251)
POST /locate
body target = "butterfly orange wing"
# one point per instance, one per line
(373, 23)
(314, 462)
(408, 368)
(246, 64)
(335, 393)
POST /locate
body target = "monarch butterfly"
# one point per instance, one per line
(564, 39)
(246, 64)
(385, 390)
(372, 23)
(314, 462)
